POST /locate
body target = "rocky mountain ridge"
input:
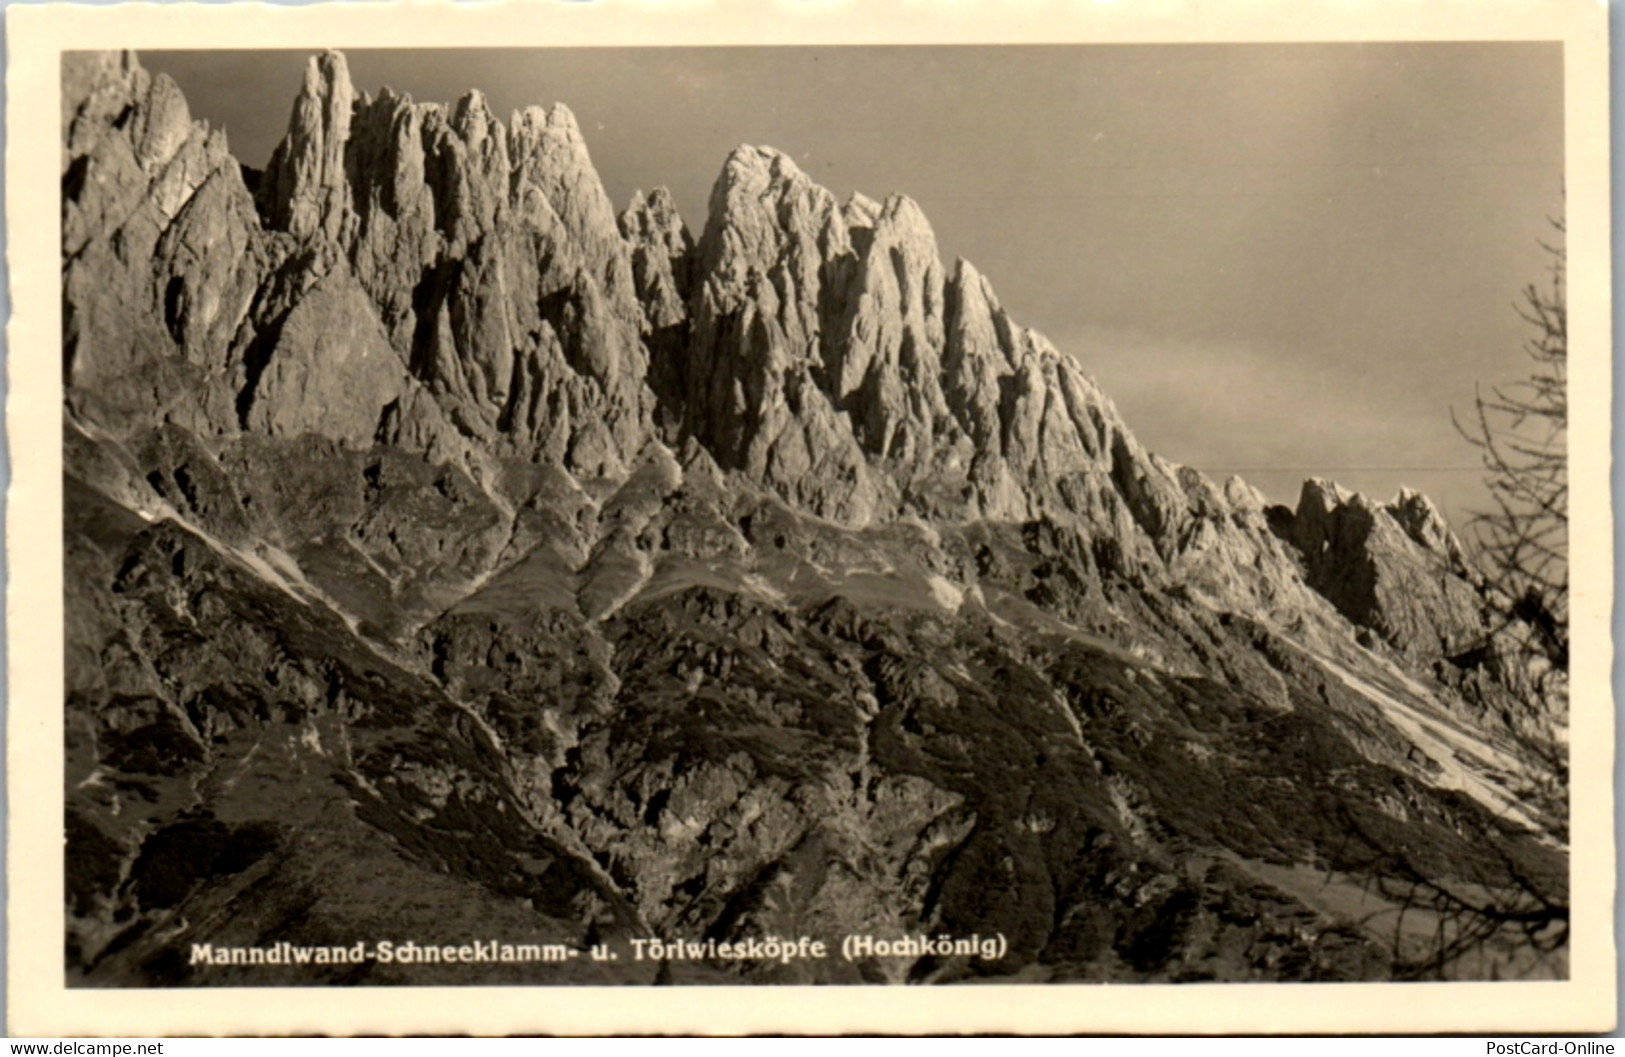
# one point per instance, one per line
(662, 526)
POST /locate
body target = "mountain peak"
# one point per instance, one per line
(305, 188)
(328, 76)
(472, 114)
(1394, 569)
(860, 210)
(1323, 494)
(749, 158)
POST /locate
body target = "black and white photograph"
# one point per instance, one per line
(792, 514)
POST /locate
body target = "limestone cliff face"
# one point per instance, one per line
(830, 355)
(427, 277)
(1394, 568)
(491, 256)
(488, 258)
(162, 251)
(763, 286)
(306, 189)
(660, 248)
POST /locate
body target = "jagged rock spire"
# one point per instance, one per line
(305, 190)
(661, 248)
(1394, 568)
(820, 349)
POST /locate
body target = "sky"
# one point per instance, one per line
(1283, 260)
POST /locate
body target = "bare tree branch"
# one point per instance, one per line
(1521, 432)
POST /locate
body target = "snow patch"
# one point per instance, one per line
(944, 593)
(1464, 760)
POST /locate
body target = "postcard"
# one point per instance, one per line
(731, 518)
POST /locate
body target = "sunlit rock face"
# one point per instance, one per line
(449, 554)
